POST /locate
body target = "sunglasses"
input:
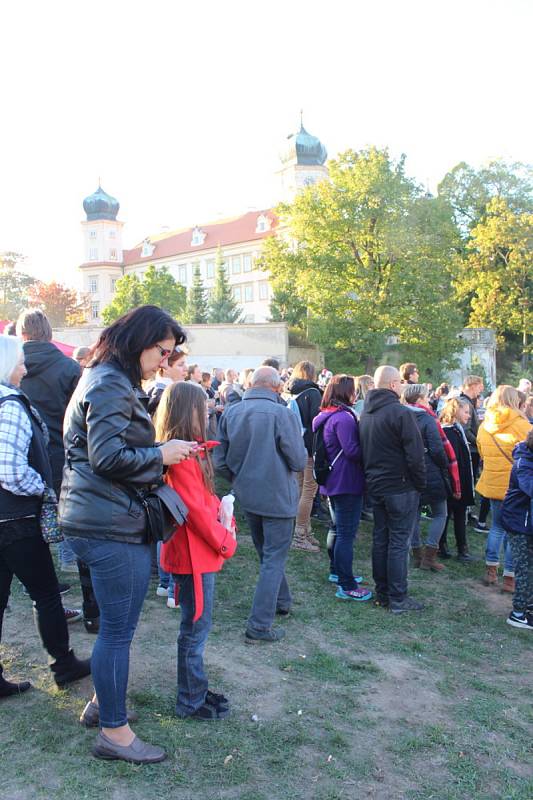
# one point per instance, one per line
(163, 350)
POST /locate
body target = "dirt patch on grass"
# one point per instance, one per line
(496, 601)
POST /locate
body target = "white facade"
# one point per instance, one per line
(102, 267)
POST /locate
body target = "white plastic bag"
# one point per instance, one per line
(225, 512)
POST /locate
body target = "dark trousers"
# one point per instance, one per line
(29, 559)
(522, 550)
(272, 539)
(457, 512)
(347, 511)
(394, 516)
(192, 680)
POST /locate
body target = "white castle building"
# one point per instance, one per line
(239, 239)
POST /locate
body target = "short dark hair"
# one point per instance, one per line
(125, 339)
(406, 370)
(271, 362)
(340, 391)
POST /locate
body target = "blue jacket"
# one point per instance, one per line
(517, 510)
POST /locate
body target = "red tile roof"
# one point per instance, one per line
(224, 233)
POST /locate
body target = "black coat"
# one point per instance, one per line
(49, 383)
(109, 441)
(472, 426)
(464, 462)
(393, 451)
(434, 455)
(308, 399)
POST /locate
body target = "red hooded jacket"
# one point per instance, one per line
(201, 544)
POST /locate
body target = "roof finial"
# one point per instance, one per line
(99, 182)
(301, 118)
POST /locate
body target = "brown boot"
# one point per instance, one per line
(429, 559)
(508, 584)
(301, 542)
(416, 552)
(491, 575)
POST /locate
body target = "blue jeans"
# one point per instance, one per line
(394, 516)
(192, 680)
(347, 510)
(439, 514)
(497, 537)
(166, 579)
(66, 554)
(272, 539)
(120, 574)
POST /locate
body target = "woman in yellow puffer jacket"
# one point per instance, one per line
(503, 427)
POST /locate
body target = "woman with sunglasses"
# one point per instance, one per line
(110, 452)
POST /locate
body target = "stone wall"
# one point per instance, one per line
(479, 349)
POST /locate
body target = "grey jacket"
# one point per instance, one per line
(109, 443)
(261, 447)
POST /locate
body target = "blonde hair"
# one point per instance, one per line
(10, 351)
(448, 415)
(362, 382)
(175, 417)
(506, 396)
(472, 380)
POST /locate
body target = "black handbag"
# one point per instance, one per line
(164, 510)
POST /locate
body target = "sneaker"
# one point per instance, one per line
(264, 637)
(472, 520)
(406, 605)
(353, 594)
(481, 527)
(73, 614)
(161, 591)
(332, 578)
(64, 588)
(518, 620)
(171, 603)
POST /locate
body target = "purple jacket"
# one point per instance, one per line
(341, 432)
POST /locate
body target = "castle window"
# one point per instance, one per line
(92, 234)
(147, 249)
(93, 284)
(113, 285)
(198, 237)
(112, 234)
(263, 224)
(95, 310)
(248, 293)
(113, 254)
(247, 263)
(236, 265)
(93, 254)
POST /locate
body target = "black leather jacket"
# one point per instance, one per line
(109, 442)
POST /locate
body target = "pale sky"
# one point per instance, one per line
(182, 107)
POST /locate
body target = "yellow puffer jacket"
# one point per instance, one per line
(508, 427)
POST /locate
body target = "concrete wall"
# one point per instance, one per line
(310, 353)
(237, 346)
(479, 348)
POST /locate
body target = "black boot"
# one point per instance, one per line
(8, 689)
(444, 553)
(68, 669)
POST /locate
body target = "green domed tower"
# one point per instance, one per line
(303, 160)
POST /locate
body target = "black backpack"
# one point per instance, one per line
(321, 464)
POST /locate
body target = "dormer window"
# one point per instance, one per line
(198, 237)
(263, 224)
(147, 249)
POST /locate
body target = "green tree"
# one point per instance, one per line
(469, 191)
(371, 257)
(222, 306)
(128, 295)
(498, 273)
(14, 285)
(196, 309)
(157, 288)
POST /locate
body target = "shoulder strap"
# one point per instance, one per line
(502, 451)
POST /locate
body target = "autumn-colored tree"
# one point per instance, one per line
(14, 285)
(62, 305)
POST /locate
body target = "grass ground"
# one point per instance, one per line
(354, 703)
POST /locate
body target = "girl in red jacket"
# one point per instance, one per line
(197, 549)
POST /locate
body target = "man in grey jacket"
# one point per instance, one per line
(261, 449)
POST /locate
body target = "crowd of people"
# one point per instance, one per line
(104, 431)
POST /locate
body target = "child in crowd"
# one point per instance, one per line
(454, 416)
(517, 518)
(198, 548)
